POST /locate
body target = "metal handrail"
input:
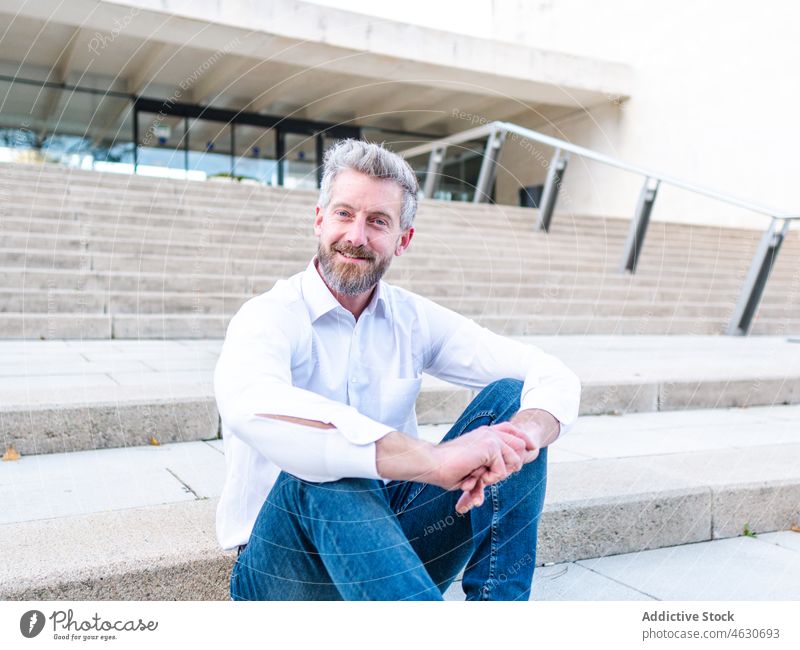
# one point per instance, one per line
(563, 145)
(496, 132)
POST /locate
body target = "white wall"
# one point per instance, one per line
(714, 101)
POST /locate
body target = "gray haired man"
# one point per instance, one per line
(330, 494)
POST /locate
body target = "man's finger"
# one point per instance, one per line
(512, 458)
(516, 431)
(497, 470)
(471, 499)
(464, 503)
(517, 443)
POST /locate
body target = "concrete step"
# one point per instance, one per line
(54, 174)
(480, 235)
(39, 301)
(204, 260)
(138, 523)
(551, 285)
(75, 395)
(32, 301)
(480, 227)
(523, 246)
(611, 287)
(81, 185)
(161, 326)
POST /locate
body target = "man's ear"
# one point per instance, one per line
(318, 215)
(403, 242)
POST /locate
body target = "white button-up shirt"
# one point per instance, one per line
(295, 351)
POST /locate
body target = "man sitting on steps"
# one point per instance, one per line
(318, 378)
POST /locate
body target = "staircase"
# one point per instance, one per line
(90, 255)
(109, 284)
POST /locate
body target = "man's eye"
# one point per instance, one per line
(382, 223)
(341, 213)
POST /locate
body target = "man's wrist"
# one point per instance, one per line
(400, 457)
(540, 425)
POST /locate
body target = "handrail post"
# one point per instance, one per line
(555, 175)
(756, 280)
(488, 171)
(638, 227)
(434, 173)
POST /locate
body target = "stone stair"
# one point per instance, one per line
(91, 255)
(138, 523)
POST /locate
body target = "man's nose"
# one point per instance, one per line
(357, 232)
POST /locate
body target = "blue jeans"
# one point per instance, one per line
(361, 539)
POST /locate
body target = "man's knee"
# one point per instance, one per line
(506, 386)
(504, 391)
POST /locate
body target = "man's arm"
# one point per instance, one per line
(469, 463)
(253, 377)
(464, 353)
(486, 454)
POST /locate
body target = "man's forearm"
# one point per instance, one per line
(402, 458)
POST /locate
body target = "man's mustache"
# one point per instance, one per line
(354, 251)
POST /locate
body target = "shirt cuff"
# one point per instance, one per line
(559, 412)
(359, 429)
(344, 458)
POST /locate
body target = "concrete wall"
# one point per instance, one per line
(713, 99)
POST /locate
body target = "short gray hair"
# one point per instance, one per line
(373, 160)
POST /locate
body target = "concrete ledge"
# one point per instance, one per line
(67, 427)
(734, 392)
(617, 524)
(55, 326)
(159, 553)
(209, 326)
(119, 416)
(170, 326)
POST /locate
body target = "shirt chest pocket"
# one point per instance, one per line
(397, 398)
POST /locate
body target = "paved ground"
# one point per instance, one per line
(742, 568)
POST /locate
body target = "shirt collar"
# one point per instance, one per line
(320, 300)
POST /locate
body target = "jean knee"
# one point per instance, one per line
(506, 386)
(505, 392)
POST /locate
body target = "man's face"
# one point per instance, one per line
(359, 232)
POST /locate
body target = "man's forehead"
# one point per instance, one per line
(370, 193)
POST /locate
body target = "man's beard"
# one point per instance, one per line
(351, 279)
